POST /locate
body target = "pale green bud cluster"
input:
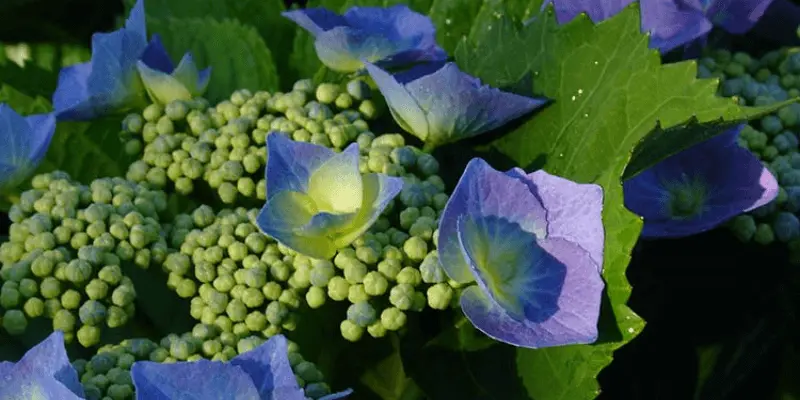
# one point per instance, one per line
(187, 146)
(68, 249)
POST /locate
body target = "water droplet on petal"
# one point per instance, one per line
(573, 98)
(596, 62)
(580, 91)
(586, 115)
(631, 330)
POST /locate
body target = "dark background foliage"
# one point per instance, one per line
(705, 290)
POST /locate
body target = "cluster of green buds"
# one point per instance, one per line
(772, 138)
(68, 249)
(191, 147)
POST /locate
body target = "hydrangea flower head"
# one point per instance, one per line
(110, 81)
(25, 141)
(317, 200)
(672, 23)
(699, 188)
(44, 372)
(390, 36)
(263, 373)
(534, 245)
(439, 103)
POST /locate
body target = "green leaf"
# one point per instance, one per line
(37, 74)
(388, 378)
(303, 60)
(663, 143)
(238, 56)
(30, 79)
(263, 15)
(21, 102)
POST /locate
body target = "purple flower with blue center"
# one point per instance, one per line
(699, 188)
(672, 23)
(25, 141)
(263, 373)
(440, 104)
(389, 36)
(533, 244)
(317, 200)
(44, 373)
(110, 82)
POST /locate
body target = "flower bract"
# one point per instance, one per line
(439, 103)
(699, 188)
(534, 246)
(390, 36)
(25, 141)
(317, 200)
(184, 83)
(44, 372)
(672, 23)
(263, 373)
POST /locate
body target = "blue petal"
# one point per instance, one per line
(324, 224)
(281, 217)
(290, 164)
(315, 20)
(161, 87)
(71, 98)
(346, 49)
(136, 20)
(25, 387)
(200, 379)
(49, 359)
(404, 108)
(156, 57)
(269, 368)
(483, 191)
(379, 191)
(43, 126)
(457, 105)
(114, 82)
(672, 25)
(574, 210)
(510, 267)
(16, 136)
(108, 84)
(338, 395)
(737, 16)
(598, 11)
(734, 181)
(574, 321)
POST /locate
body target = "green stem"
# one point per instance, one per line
(429, 147)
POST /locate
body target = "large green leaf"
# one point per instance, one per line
(388, 378)
(263, 15)
(37, 75)
(237, 54)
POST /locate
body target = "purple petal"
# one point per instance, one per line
(484, 191)
(404, 108)
(200, 379)
(156, 57)
(315, 20)
(574, 210)
(49, 359)
(578, 304)
(290, 163)
(458, 105)
(567, 10)
(672, 25)
(737, 16)
(269, 368)
(732, 178)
